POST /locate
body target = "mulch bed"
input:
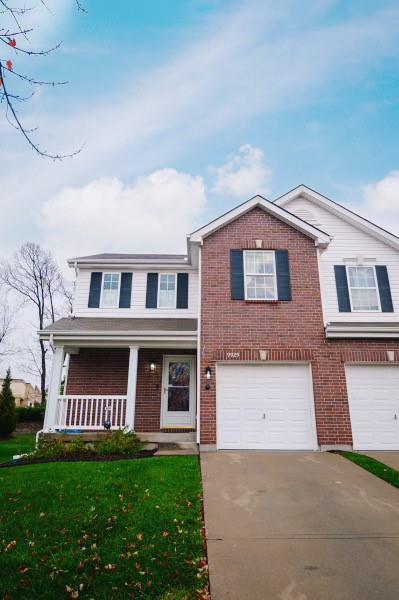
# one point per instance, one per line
(39, 461)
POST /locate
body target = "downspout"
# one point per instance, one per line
(199, 347)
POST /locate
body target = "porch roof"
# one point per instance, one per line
(81, 330)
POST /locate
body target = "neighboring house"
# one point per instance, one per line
(278, 330)
(25, 394)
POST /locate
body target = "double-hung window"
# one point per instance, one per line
(167, 290)
(110, 290)
(363, 289)
(260, 275)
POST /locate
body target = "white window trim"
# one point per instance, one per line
(369, 310)
(274, 278)
(102, 288)
(159, 289)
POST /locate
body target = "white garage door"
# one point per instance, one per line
(373, 393)
(265, 407)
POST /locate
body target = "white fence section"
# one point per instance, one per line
(90, 412)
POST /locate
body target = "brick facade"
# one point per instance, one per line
(104, 371)
(286, 330)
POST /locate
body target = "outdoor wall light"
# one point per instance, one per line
(152, 367)
(208, 375)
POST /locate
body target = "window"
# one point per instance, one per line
(167, 290)
(110, 290)
(363, 289)
(260, 275)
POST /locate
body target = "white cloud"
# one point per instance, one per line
(381, 202)
(243, 175)
(154, 213)
(252, 59)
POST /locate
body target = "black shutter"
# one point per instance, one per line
(283, 275)
(95, 290)
(341, 282)
(384, 289)
(126, 290)
(152, 290)
(237, 275)
(182, 290)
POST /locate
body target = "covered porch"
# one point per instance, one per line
(135, 374)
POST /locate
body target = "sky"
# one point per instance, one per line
(183, 109)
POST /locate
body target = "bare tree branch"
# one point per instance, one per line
(14, 41)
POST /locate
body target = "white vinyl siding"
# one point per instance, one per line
(137, 307)
(347, 245)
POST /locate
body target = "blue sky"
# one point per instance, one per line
(186, 108)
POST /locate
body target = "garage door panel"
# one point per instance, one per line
(272, 407)
(373, 393)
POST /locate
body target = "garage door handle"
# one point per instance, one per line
(264, 416)
(395, 417)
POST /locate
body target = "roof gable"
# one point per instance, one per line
(341, 211)
(320, 237)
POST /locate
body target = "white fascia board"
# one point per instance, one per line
(44, 335)
(321, 238)
(337, 331)
(340, 211)
(123, 262)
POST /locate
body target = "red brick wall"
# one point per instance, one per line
(100, 371)
(289, 330)
(104, 371)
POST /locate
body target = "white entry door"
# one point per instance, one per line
(265, 407)
(178, 392)
(373, 393)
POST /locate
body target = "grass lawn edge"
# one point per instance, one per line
(374, 466)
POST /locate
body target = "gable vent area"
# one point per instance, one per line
(307, 215)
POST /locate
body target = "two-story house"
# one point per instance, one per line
(278, 330)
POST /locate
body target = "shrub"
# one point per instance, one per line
(119, 443)
(8, 419)
(31, 414)
(56, 448)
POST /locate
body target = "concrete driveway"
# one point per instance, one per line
(299, 526)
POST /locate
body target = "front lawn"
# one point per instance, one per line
(374, 466)
(19, 443)
(128, 529)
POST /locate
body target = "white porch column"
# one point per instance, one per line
(54, 388)
(131, 387)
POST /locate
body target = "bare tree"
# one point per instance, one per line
(15, 36)
(6, 319)
(34, 274)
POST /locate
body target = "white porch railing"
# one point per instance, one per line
(90, 412)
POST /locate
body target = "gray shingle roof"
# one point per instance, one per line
(92, 325)
(113, 256)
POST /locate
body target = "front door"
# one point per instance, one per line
(178, 392)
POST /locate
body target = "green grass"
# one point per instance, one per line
(126, 529)
(374, 466)
(18, 444)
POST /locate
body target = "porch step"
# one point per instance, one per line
(162, 437)
(172, 448)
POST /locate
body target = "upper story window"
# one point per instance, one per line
(110, 290)
(363, 289)
(260, 275)
(167, 290)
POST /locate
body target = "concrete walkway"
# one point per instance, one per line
(299, 526)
